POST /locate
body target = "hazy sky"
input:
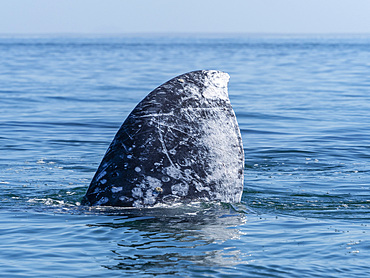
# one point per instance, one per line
(190, 16)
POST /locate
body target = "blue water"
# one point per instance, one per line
(302, 103)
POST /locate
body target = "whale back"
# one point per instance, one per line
(181, 143)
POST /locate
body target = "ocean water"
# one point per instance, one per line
(302, 103)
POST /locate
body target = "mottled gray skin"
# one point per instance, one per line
(181, 143)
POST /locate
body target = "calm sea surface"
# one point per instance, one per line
(303, 106)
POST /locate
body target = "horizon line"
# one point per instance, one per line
(187, 33)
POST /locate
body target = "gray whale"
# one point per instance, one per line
(181, 143)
